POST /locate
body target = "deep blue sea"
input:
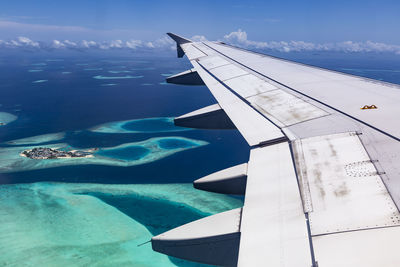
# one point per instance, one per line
(98, 210)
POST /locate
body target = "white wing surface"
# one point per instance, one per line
(322, 185)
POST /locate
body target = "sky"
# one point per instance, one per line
(327, 24)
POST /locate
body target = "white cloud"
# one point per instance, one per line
(239, 38)
(161, 43)
(150, 45)
(57, 44)
(21, 42)
(70, 44)
(199, 38)
(133, 44)
(24, 41)
(88, 44)
(116, 44)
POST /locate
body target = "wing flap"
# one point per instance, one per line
(273, 227)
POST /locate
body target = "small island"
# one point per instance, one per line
(51, 153)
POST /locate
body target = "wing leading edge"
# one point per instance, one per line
(321, 185)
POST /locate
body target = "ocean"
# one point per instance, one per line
(100, 210)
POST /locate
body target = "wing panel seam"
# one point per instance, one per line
(237, 95)
(309, 65)
(356, 230)
(312, 98)
(199, 49)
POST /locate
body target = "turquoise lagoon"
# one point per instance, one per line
(96, 224)
(147, 125)
(125, 155)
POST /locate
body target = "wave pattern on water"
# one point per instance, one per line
(101, 77)
(119, 71)
(40, 81)
(91, 69)
(35, 70)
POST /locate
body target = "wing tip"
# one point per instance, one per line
(178, 39)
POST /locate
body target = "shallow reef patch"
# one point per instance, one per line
(38, 139)
(146, 125)
(125, 155)
(59, 224)
(6, 118)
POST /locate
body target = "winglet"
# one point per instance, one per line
(179, 40)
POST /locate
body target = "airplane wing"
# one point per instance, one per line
(322, 185)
